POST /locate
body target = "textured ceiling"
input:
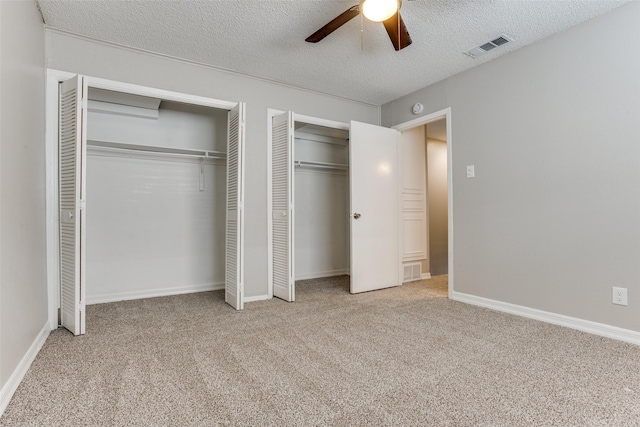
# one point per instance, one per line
(266, 38)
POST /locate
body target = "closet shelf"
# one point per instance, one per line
(150, 149)
(321, 165)
(326, 139)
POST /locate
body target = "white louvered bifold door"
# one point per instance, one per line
(282, 206)
(72, 138)
(234, 262)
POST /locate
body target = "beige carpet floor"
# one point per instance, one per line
(401, 356)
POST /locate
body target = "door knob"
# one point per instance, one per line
(356, 215)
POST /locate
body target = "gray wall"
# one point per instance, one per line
(74, 54)
(552, 219)
(438, 206)
(23, 289)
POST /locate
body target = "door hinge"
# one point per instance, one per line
(82, 204)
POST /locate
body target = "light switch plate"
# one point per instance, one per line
(471, 171)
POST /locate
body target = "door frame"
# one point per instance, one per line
(53, 78)
(421, 121)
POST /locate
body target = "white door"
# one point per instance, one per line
(282, 192)
(72, 137)
(375, 237)
(234, 251)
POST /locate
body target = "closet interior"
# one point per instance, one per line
(321, 201)
(156, 197)
(334, 203)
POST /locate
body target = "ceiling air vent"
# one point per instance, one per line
(500, 41)
(490, 45)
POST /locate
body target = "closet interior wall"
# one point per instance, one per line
(321, 159)
(156, 188)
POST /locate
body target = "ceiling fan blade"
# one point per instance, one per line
(400, 39)
(336, 23)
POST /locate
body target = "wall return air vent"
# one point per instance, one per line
(501, 40)
(412, 272)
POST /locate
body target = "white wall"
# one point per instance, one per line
(23, 308)
(74, 54)
(321, 223)
(150, 230)
(551, 220)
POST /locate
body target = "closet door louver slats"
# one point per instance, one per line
(72, 158)
(234, 258)
(282, 205)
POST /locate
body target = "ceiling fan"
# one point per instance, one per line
(385, 11)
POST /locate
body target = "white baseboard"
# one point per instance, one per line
(588, 326)
(319, 275)
(14, 380)
(125, 296)
(257, 298)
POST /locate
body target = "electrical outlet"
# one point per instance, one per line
(619, 296)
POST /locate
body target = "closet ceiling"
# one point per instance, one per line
(266, 38)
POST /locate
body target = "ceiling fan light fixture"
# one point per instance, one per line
(379, 10)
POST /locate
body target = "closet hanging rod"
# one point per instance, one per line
(321, 165)
(155, 150)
